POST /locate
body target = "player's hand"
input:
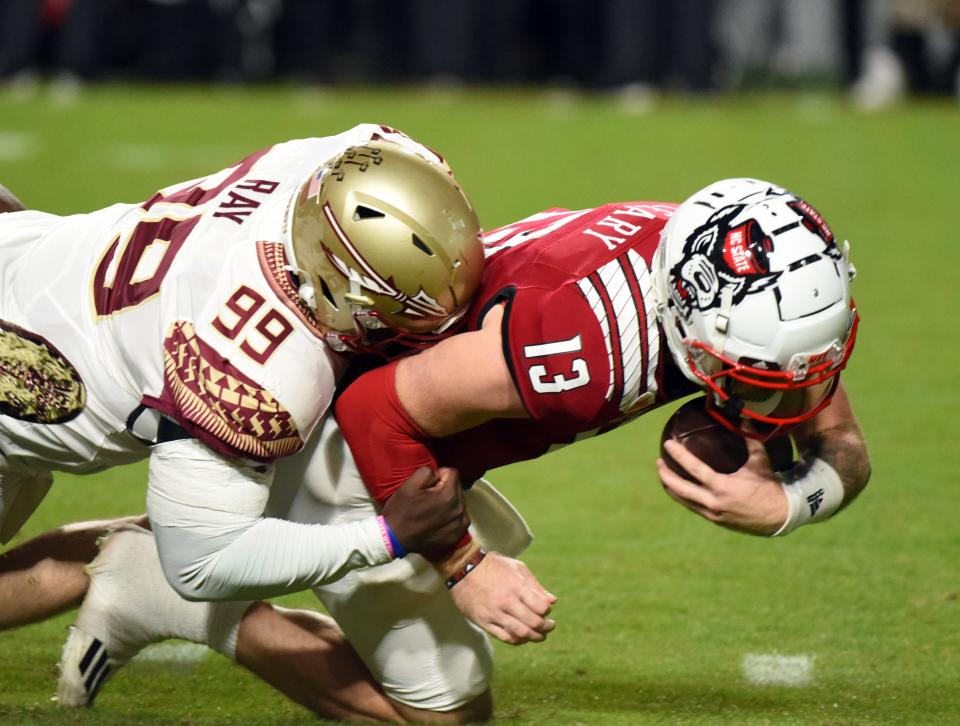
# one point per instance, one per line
(427, 512)
(749, 500)
(503, 597)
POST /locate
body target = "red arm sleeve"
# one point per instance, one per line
(387, 444)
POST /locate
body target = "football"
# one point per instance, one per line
(722, 449)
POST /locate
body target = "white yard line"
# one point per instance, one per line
(772, 669)
(17, 146)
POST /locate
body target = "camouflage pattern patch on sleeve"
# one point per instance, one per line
(37, 383)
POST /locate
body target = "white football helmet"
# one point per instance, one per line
(754, 297)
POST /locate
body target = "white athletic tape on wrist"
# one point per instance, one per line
(811, 496)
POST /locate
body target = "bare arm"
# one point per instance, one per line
(835, 436)
(401, 407)
(460, 383)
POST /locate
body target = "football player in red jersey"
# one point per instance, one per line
(587, 319)
(584, 321)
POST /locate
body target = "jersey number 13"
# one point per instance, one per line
(542, 381)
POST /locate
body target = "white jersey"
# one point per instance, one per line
(180, 305)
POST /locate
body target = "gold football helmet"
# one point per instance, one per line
(387, 247)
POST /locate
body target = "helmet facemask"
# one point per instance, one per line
(757, 399)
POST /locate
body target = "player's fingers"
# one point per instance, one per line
(501, 634)
(697, 468)
(542, 625)
(447, 498)
(535, 603)
(692, 506)
(504, 626)
(448, 476)
(542, 592)
(521, 631)
(683, 488)
(533, 583)
(530, 620)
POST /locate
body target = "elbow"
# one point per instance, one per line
(187, 591)
(190, 582)
(198, 591)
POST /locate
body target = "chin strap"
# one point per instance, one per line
(305, 289)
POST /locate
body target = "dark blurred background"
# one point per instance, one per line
(574, 119)
(880, 49)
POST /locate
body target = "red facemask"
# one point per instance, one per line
(761, 403)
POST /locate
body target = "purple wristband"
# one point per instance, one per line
(393, 545)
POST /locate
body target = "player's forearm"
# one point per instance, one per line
(842, 447)
(459, 383)
(834, 466)
(833, 436)
(215, 544)
(271, 557)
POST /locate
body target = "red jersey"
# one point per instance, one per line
(580, 331)
(580, 337)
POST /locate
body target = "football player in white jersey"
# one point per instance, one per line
(356, 288)
(206, 329)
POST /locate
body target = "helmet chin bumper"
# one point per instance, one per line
(760, 401)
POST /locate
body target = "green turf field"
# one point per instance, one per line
(659, 611)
